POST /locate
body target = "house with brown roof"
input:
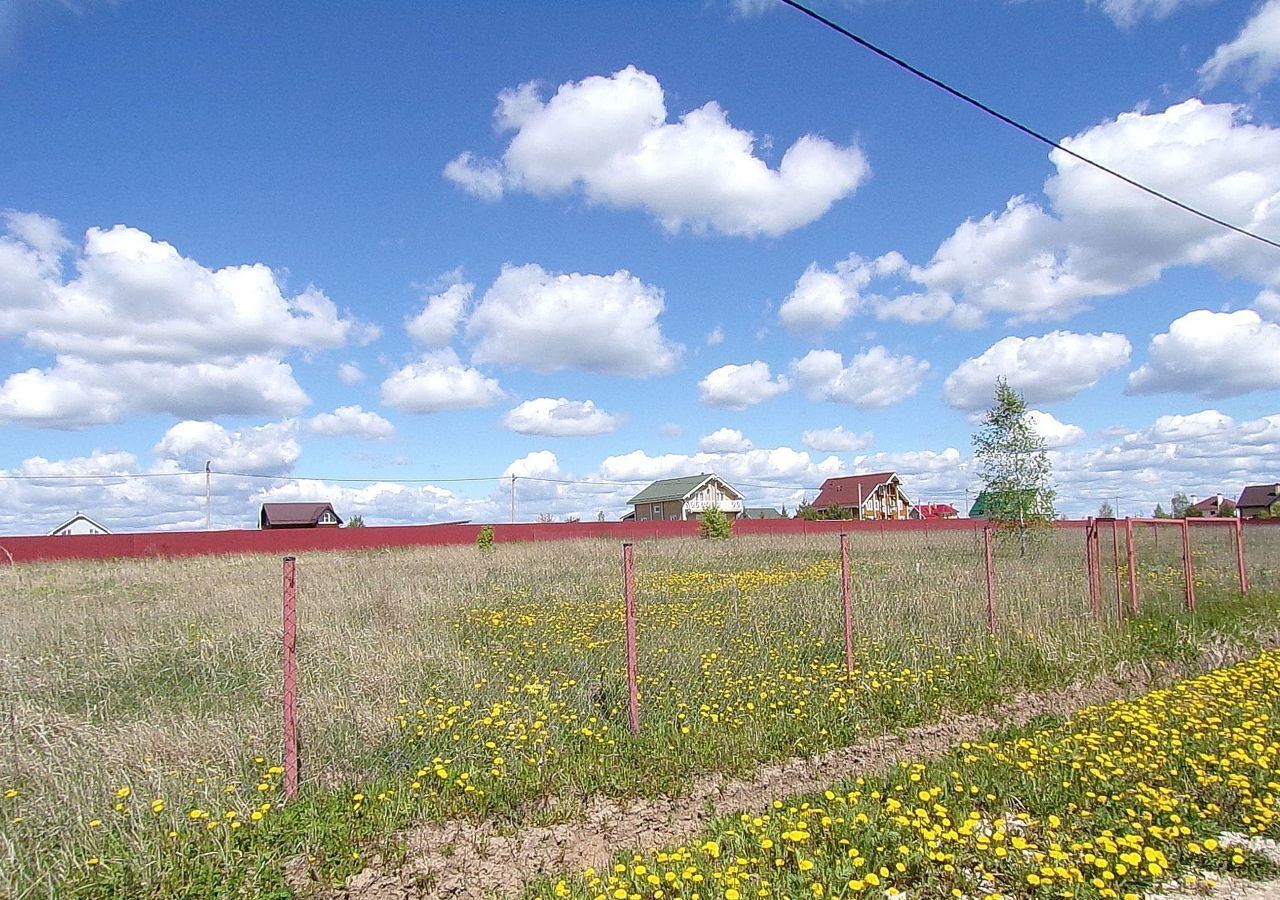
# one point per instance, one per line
(1212, 507)
(298, 515)
(875, 496)
(1259, 501)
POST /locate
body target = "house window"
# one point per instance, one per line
(326, 518)
(656, 512)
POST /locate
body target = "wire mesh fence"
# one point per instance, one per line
(490, 679)
(1262, 553)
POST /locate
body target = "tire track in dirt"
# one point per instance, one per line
(464, 860)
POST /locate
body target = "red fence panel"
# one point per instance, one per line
(34, 548)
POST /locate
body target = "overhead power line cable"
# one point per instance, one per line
(356, 480)
(1027, 130)
(572, 482)
(33, 476)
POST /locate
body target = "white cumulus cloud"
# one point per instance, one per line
(439, 382)
(1101, 237)
(1056, 366)
(609, 138)
(737, 387)
(350, 373)
(559, 417)
(837, 439)
(873, 378)
(1056, 434)
(140, 328)
(435, 324)
(724, 440)
(1267, 303)
(352, 421)
(1212, 355)
(1254, 54)
(75, 393)
(1201, 453)
(548, 322)
(823, 299)
(264, 450)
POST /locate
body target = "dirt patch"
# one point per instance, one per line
(462, 859)
(1227, 888)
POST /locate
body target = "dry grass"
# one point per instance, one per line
(163, 676)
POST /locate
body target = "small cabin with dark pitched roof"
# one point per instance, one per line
(298, 515)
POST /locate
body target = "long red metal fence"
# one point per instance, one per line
(35, 548)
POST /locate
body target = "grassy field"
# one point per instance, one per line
(1137, 796)
(141, 698)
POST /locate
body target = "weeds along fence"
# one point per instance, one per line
(956, 583)
(1125, 561)
(515, 666)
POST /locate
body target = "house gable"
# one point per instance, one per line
(680, 498)
(1257, 499)
(877, 495)
(80, 524)
(298, 515)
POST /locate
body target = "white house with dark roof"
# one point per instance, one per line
(80, 524)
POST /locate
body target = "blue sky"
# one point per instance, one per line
(396, 246)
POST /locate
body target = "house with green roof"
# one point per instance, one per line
(685, 498)
(989, 506)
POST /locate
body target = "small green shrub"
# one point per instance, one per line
(715, 524)
(484, 540)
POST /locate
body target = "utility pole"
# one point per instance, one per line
(513, 499)
(208, 502)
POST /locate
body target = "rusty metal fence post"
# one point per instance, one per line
(1115, 565)
(1132, 563)
(991, 580)
(1188, 567)
(629, 595)
(1091, 566)
(290, 678)
(846, 601)
(1240, 566)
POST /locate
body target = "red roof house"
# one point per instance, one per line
(1212, 507)
(876, 496)
(298, 515)
(937, 511)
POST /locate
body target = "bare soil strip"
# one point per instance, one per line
(463, 859)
